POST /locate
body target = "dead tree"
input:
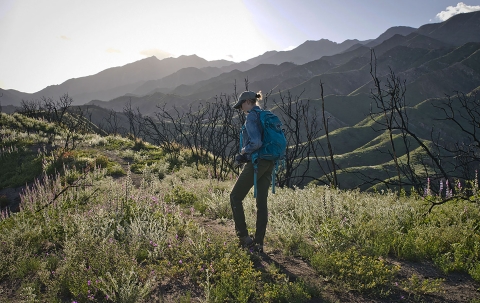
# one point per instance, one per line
(390, 101)
(135, 120)
(450, 156)
(333, 167)
(295, 114)
(112, 122)
(462, 113)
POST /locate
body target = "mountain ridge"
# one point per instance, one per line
(151, 75)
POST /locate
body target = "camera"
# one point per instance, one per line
(239, 160)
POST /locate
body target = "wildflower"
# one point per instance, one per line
(448, 190)
(428, 186)
(180, 262)
(475, 182)
(88, 282)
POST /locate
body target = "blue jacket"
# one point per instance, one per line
(252, 133)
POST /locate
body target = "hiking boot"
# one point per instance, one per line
(246, 241)
(257, 248)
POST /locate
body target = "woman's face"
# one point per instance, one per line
(247, 105)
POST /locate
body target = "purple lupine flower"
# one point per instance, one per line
(428, 186)
(475, 182)
(441, 188)
(448, 191)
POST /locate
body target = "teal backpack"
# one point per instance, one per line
(274, 144)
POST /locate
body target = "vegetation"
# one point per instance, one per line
(86, 234)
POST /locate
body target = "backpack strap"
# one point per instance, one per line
(255, 172)
(274, 173)
(241, 138)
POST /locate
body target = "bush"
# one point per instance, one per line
(116, 170)
(180, 196)
(19, 167)
(4, 201)
(356, 271)
(101, 161)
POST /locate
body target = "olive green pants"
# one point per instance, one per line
(240, 190)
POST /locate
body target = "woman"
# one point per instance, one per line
(252, 140)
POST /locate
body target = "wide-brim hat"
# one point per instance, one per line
(246, 95)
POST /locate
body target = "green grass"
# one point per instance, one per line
(347, 139)
(117, 241)
(19, 167)
(106, 240)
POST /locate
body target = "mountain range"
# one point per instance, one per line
(434, 61)
(194, 78)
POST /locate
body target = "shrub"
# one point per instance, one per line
(181, 196)
(19, 167)
(279, 289)
(235, 279)
(4, 201)
(419, 286)
(116, 170)
(139, 144)
(101, 161)
(356, 271)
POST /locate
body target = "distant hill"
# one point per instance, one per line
(117, 81)
(306, 52)
(147, 105)
(187, 75)
(396, 30)
(457, 30)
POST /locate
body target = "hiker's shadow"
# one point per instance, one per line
(260, 260)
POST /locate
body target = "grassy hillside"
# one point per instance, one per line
(119, 220)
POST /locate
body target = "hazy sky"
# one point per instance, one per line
(45, 42)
